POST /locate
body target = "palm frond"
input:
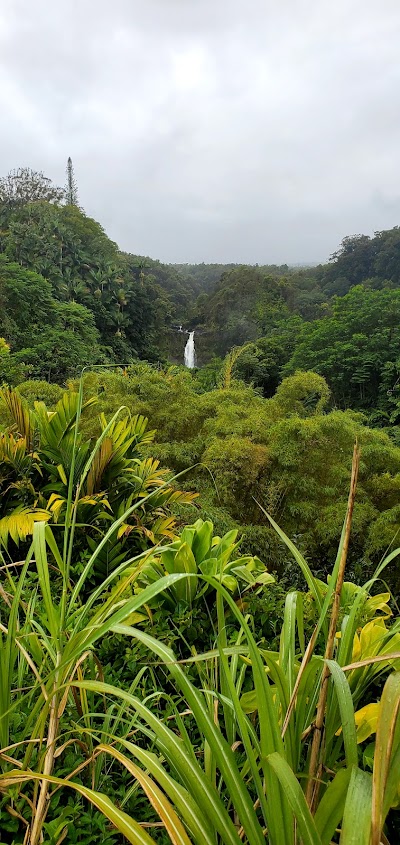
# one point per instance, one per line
(23, 419)
(18, 525)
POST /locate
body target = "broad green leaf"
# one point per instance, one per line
(184, 561)
(287, 647)
(366, 721)
(202, 540)
(248, 701)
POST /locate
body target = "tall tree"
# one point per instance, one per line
(71, 191)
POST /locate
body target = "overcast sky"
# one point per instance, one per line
(210, 130)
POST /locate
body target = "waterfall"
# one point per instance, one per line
(190, 352)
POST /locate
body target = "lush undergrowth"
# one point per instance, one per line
(290, 454)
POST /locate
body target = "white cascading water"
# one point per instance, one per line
(190, 352)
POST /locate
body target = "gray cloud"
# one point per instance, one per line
(213, 130)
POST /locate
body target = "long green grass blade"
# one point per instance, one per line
(331, 807)
(346, 709)
(196, 821)
(251, 753)
(280, 821)
(70, 492)
(157, 798)
(295, 795)
(193, 777)
(42, 566)
(356, 827)
(128, 827)
(309, 577)
(220, 749)
(8, 656)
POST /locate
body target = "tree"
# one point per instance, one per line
(65, 346)
(356, 349)
(26, 304)
(127, 295)
(11, 372)
(261, 362)
(304, 394)
(71, 191)
(24, 185)
(354, 260)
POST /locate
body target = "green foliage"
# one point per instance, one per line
(356, 350)
(283, 453)
(24, 186)
(199, 760)
(41, 450)
(130, 300)
(26, 302)
(304, 393)
(36, 390)
(239, 467)
(62, 336)
(158, 675)
(246, 303)
(10, 371)
(362, 258)
(198, 552)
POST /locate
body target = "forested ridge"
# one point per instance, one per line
(65, 285)
(199, 632)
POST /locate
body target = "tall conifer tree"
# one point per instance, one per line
(71, 191)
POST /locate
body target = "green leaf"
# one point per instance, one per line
(356, 827)
(202, 540)
(330, 809)
(184, 561)
(309, 577)
(193, 777)
(134, 833)
(158, 800)
(248, 701)
(387, 742)
(346, 709)
(295, 795)
(196, 821)
(40, 553)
